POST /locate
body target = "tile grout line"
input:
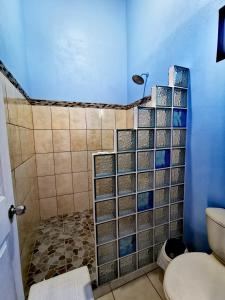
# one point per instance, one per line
(154, 286)
(113, 295)
(71, 158)
(53, 148)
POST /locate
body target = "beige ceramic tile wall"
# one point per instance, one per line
(23, 166)
(65, 139)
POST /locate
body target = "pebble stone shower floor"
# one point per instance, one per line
(63, 243)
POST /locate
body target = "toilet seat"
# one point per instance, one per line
(195, 276)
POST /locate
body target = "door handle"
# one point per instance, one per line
(18, 210)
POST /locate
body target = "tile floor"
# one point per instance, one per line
(147, 287)
(66, 242)
(63, 243)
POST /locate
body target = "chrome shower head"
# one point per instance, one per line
(138, 79)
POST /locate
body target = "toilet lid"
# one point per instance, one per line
(195, 276)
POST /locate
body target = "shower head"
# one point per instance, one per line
(138, 79)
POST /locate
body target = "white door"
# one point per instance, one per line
(10, 270)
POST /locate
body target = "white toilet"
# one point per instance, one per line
(197, 275)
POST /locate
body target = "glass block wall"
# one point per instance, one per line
(139, 188)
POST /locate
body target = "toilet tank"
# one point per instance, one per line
(215, 220)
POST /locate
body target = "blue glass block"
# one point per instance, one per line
(179, 117)
(181, 76)
(127, 245)
(163, 96)
(145, 201)
(162, 159)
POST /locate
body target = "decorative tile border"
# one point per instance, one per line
(12, 79)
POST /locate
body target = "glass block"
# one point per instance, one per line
(145, 257)
(176, 211)
(177, 193)
(163, 117)
(126, 140)
(127, 225)
(145, 220)
(146, 117)
(145, 181)
(145, 201)
(180, 76)
(105, 210)
(161, 215)
(179, 138)
(162, 178)
(163, 138)
(128, 264)
(145, 239)
(126, 184)
(161, 197)
(178, 157)
(105, 188)
(157, 249)
(162, 159)
(107, 252)
(179, 117)
(177, 175)
(126, 205)
(163, 96)
(127, 245)
(106, 232)
(126, 162)
(107, 272)
(176, 229)
(161, 234)
(180, 97)
(145, 160)
(145, 139)
(104, 165)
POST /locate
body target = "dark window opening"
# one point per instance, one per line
(221, 36)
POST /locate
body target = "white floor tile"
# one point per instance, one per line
(139, 289)
(156, 278)
(106, 297)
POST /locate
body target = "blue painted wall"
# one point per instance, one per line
(76, 50)
(73, 53)
(163, 33)
(12, 51)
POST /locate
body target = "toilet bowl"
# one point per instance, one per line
(197, 275)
